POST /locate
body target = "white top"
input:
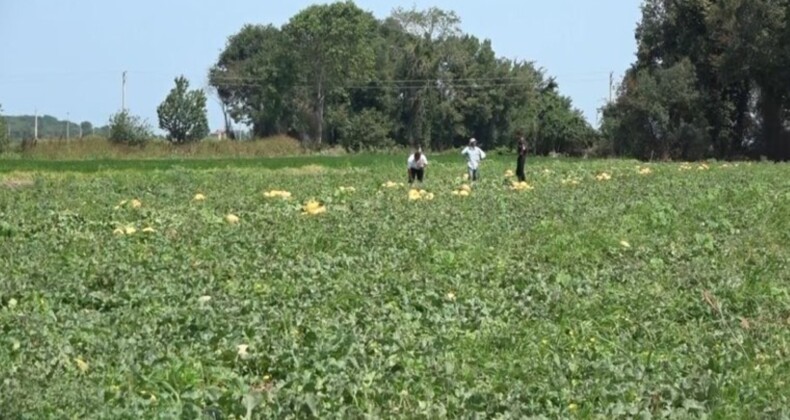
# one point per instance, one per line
(473, 156)
(419, 164)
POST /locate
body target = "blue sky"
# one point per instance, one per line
(65, 57)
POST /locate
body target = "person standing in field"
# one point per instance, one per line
(474, 155)
(416, 164)
(522, 159)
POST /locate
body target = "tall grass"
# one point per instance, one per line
(94, 153)
(94, 147)
(380, 161)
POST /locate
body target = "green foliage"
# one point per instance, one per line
(86, 128)
(164, 163)
(253, 78)
(22, 127)
(660, 116)
(5, 141)
(648, 295)
(559, 130)
(432, 83)
(129, 129)
(734, 55)
(365, 130)
(183, 113)
(330, 45)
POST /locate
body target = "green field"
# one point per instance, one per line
(662, 293)
(102, 165)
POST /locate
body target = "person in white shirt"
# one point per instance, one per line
(416, 165)
(473, 155)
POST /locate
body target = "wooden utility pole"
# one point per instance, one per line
(611, 86)
(123, 92)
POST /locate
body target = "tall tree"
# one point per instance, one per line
(183, 113)
(253, 78)
(335, 75)
(760, 54)
(660, 115)
(418, 67)
(331, 47)
(86, 128)
(740, 57)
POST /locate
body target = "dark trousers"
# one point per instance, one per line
(418, 174)
(520, 169)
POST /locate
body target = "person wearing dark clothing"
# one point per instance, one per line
(522, 160)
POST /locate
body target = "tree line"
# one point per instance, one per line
(23, 126)
(334, 74)
(711, 79)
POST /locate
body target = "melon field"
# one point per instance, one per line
(599, 289)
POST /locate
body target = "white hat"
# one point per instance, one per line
(472, 140)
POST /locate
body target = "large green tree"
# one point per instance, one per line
(253, 78)
(331, 48)
(335, 75)
(183, 113)
(739, 57)
(660, 115)
(422, 53)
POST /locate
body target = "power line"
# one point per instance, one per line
(39, 76)
(440, 84)
(428, 80)
(477, 82)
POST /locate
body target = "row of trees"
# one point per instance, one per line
(23, 127)
(182, 115)
(334, 74)
(712, 78)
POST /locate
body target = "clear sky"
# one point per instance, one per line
(65, 57)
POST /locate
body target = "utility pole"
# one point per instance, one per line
(35, 127)
(67, 126)
(80, 130)
(123, 92)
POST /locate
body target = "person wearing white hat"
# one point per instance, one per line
(474, 155)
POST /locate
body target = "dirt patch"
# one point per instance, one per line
(305, 170)
(16, 183)
(16, 180)
(318, 170)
